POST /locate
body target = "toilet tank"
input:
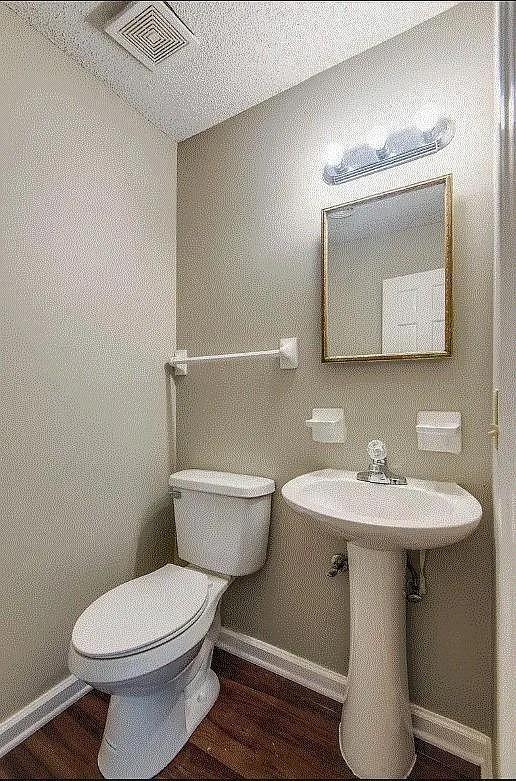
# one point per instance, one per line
(222, 519)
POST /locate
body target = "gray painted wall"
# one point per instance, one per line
(87, 265)
(250, 194)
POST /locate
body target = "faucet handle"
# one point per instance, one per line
(377, 451)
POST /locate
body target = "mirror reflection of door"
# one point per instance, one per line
(413, 313)
(387, 275)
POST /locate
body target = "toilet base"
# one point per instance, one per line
(144, 733)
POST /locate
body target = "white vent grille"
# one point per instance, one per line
(150, 31)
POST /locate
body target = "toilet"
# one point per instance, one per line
(149, 642)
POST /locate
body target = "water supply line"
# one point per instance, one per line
(416, 581)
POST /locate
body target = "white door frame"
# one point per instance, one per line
(504, 364)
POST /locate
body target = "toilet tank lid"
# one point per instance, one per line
(224, 483)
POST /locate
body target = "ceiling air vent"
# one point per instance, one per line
(150, 31)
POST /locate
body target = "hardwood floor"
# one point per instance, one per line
(262, 726)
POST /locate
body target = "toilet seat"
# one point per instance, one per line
(105, 670)
(142, 613)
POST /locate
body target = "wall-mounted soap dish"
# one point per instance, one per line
(440, 432)
(327, 425)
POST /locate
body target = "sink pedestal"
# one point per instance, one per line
(376, 737)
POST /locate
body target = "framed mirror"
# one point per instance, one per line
(387, 275)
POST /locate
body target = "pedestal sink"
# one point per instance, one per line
(379, 523)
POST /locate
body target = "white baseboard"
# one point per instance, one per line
(446, 734)
(21, 725)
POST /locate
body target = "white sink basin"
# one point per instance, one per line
(420, 515)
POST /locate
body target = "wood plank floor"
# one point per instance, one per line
(262, 726)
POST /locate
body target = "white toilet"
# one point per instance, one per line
(149, 642)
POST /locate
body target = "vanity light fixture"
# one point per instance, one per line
(377, 137)
(334, 154)
(385, 147)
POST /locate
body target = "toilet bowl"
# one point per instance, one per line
(149, 642)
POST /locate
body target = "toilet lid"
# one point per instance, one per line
(141, 613)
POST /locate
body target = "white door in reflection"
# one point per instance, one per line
(413, 313)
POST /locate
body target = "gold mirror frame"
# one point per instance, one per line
(448, 265)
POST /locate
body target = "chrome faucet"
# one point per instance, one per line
(378, 471)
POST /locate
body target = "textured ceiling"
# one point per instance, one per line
(247, 52)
